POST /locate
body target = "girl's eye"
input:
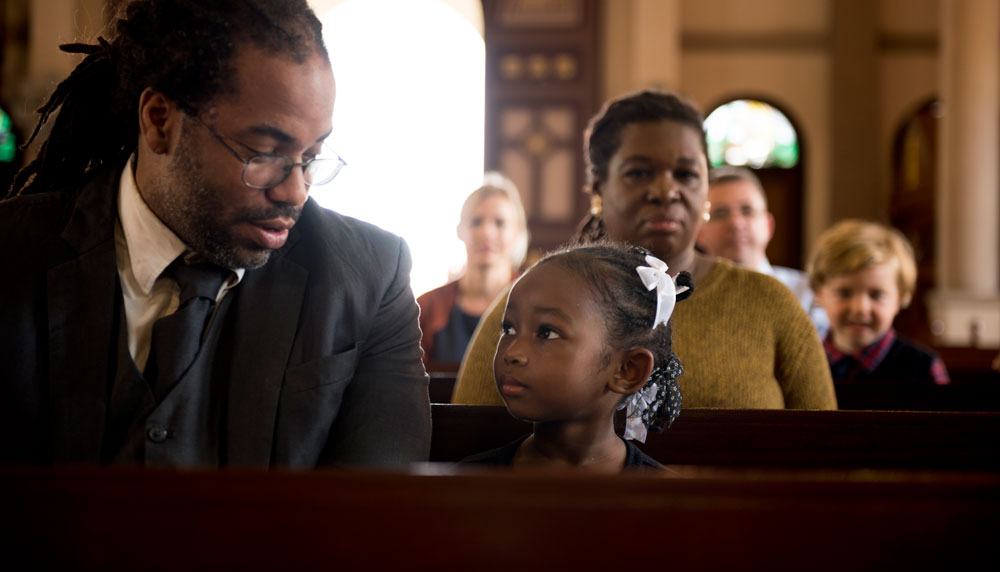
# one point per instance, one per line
(547, 333)
(876, 295)
(508, 330)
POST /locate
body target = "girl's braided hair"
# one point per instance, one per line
(182, 48)
(608, 270)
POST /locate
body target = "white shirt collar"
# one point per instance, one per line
(152, 246)
(765, 267)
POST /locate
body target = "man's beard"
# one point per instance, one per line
(191, 209)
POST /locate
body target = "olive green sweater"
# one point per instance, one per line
(742, 337)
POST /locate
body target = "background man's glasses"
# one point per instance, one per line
(722, 214)
(269, 171)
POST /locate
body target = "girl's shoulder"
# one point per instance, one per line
(636, 459)
(499, 456)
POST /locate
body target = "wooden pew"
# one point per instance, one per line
(441, 385)
(767, 438)
(979, 393)
(116, 519)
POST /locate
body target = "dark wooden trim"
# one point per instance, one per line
(894, 42)
(786, 41)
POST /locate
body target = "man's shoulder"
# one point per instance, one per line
(47, 212)
(324, 224)
(730, 277)
(29, 222)
(790, 276)
(39, 205)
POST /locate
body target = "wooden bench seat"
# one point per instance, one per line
(772, 438)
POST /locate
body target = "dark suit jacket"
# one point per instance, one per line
(326, 364)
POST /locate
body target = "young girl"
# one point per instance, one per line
(586, 332)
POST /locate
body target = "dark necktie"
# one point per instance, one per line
(177, 337)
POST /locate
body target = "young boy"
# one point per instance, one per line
(862, 274)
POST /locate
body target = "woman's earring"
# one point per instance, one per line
(596, 205)
(707, 214)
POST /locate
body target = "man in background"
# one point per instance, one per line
(740, 229)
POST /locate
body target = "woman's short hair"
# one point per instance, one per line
(495, 184)
(853, 245)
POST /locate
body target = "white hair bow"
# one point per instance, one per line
(655, 276)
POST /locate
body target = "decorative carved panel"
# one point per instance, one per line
(541, 89)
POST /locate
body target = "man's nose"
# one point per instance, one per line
(292, 191)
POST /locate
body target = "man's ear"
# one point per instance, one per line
(770, 225)
(633, 371)
(159, 121)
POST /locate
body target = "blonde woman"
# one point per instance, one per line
(494, 229)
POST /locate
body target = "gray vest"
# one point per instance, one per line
(186, 428)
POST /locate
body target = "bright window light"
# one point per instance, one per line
(408, 119)
(751, 133)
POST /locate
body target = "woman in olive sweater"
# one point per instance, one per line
(742, 337)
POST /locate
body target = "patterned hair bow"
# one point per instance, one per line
(655, 276)
(637, 404)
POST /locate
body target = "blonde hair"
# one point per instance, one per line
(853, 245)
(496, 184)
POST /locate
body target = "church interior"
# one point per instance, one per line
(893, 111)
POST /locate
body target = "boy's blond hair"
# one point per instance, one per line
(853, 245)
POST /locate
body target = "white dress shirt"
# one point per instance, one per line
(144, 247)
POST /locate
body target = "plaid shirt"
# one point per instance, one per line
(845, 367)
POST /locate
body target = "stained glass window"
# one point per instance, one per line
(751, 133)
(8, 143)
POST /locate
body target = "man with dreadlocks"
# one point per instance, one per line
(171, 296)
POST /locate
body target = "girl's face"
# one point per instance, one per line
(861, 305)
(548, 365)
(656, 192)
(489, 231)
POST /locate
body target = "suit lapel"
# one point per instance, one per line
(82, 297)
(266, 315)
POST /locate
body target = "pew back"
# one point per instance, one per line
(772, 438)
(112, 519)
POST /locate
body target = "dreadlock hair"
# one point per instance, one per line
(181, 48)
(602, 138)
(608, 270)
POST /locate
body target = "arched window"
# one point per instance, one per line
(8, 142)
(751, 133)
(756, 134)
(408, 119)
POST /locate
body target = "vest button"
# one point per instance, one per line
(157, 434)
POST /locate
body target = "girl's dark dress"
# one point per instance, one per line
(635, 459)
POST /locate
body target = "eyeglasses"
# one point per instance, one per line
(722, 214)
(269, 171)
